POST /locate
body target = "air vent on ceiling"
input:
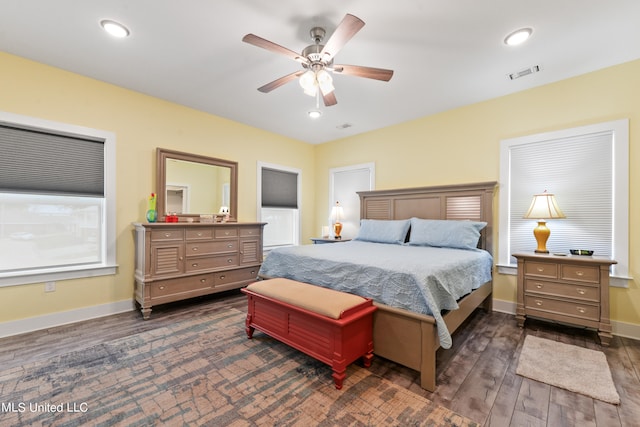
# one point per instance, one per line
(344, 126)
(524, 72)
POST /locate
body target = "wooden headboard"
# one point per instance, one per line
(463, 201)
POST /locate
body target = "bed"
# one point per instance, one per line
(428, 303)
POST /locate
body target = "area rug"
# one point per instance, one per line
(573, 368)
(205, 371)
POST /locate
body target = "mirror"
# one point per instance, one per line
(190, 185)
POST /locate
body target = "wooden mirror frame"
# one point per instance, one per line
(162, 155)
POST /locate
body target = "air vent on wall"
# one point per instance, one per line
(344, 126)
(524, 72)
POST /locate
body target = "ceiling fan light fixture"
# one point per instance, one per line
(114, 28)
(325, 82)
(308, 83)
(518, 37)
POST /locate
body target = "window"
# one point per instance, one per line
(278, 201)
(587, 170)
(57, 201)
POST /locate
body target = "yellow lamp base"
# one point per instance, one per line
(337, 229)
(542, 232)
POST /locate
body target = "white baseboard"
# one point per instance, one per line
(621, 329)
(31, 324)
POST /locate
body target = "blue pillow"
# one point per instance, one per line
(383, 231)
(445, 233)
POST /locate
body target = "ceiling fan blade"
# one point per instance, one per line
(347, 28)
(367, 72)
(279, 82)
(272, 47)
(329, 99)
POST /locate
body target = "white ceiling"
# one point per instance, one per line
(445, 53)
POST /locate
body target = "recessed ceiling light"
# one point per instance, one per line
(114, 28)
(518, 37)
(314, 114)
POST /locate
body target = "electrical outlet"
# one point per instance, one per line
(50, 286)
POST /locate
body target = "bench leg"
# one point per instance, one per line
(338, 376)
(248, 328)
(367, 358)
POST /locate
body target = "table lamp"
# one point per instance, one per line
(543, 207)
(336, 214)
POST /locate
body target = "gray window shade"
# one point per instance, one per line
(279, 189)
(40, 162)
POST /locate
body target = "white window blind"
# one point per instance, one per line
(578, 170)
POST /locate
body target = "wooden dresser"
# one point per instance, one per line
(176, 261)
(568, 289)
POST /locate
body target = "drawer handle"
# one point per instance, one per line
(203, 280)
(581, 291)
(539, 285)
(581, 310)
(253, 272)
(226, 233)
(180, 258)
(539, 303)
(199, 234)
(229, 245)
(195, 264)
(222, 277)
(167, 234)
(195, 248)
(579, 273)
(540, 269)
(229, 260)
(161, 287)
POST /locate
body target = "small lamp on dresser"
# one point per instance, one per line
(336, 214)
(543, 206)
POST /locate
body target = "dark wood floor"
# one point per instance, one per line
(476, 378)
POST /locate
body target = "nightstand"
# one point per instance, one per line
(322, 240)
(570, 289)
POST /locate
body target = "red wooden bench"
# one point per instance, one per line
(333, 327)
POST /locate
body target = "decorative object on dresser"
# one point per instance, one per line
(543, 206)
(569, 289)
(176, 261)
(336, 214)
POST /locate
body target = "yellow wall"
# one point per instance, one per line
(456, 146)
(140, 123)
(463, 145)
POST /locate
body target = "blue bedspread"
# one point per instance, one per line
(421, 279)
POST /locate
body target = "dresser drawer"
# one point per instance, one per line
(249, 231)
(580, 273)
(199, 233)
(167, 234)
(225, 232)
(566, 308)
(541, 269)
(207, 248)
(211, 262)
(232, 276)
(180, 286)
(586, 293)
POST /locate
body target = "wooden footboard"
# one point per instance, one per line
(411, 339)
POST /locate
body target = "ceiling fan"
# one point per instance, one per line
(317, 60)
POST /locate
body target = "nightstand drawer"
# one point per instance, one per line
(586, 293)
(565, 308)
(541, 269)
(580, 273)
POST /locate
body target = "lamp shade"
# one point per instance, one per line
(544, 206)
(337, 212)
